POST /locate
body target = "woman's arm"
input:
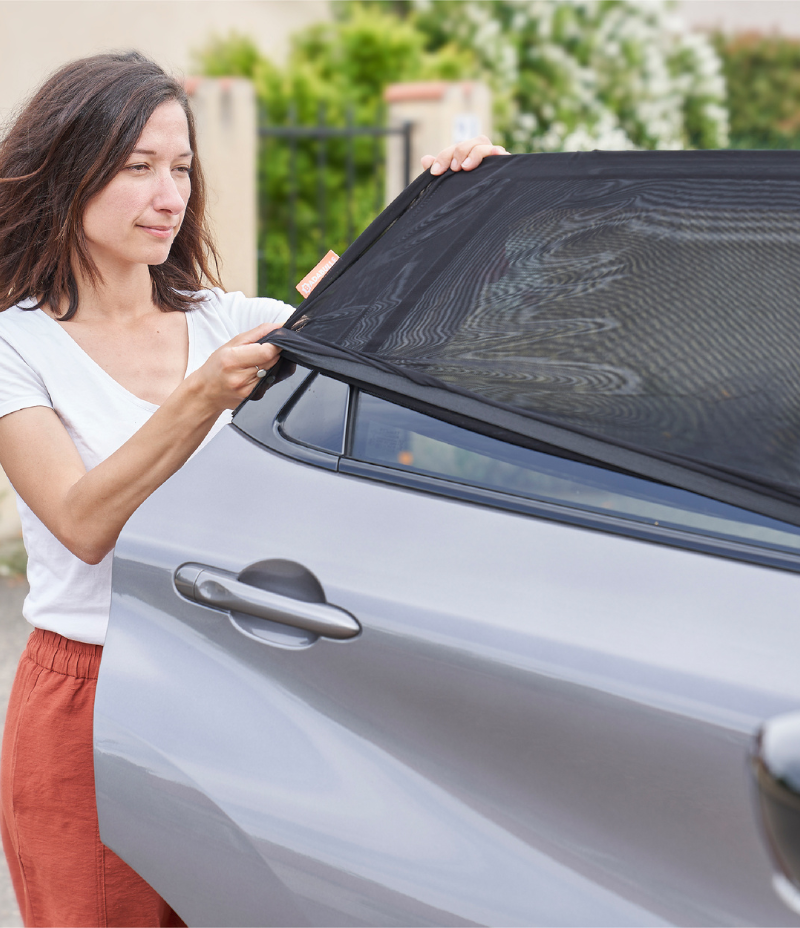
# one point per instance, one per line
(86, 510)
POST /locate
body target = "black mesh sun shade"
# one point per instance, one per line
(638, 309)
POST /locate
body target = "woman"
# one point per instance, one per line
(115, 366)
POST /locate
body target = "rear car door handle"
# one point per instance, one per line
(215, 588)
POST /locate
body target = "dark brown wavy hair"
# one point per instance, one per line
(68, 142)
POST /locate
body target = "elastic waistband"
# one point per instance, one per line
(63, 655)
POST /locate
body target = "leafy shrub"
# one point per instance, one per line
(578, 75)
(763, 78)
(566, 75)
(335, 75)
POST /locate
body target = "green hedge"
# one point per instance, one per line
(763, 80)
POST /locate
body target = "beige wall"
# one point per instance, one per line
(781, 16)
(36, 36)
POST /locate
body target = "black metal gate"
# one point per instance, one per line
(289, 217)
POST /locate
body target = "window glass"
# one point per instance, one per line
(401, 438)
(256, 418)
(317, 417)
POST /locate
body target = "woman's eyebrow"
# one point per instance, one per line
(148, 151)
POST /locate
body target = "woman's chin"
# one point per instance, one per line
(156, 256)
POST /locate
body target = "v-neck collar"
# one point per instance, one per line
(123, 391)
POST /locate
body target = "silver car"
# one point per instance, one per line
(378, 659)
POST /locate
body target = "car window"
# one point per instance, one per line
(317, 416)
(396, 437)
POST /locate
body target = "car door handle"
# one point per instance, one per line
(215, 588)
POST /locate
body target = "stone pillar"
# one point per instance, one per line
(441, 113)
(227, 139)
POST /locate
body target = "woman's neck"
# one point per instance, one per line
(120, 296)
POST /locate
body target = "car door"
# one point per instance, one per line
(344, 687)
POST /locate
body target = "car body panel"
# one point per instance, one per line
(538, 724)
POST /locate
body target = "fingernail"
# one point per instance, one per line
(467, 163)
(436, 168)
(454, 165)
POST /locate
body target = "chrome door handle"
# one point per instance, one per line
(214, 588)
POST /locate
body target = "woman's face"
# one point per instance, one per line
(135, 217)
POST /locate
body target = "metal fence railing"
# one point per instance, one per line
(301, 215)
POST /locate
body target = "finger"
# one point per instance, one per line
(253, 356)
(441, 162)
(467, 155)
(474, 148)
(253, 335)
(480, 152)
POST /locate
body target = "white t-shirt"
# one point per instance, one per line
(41, 365)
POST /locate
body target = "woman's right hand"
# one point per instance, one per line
(230, 373)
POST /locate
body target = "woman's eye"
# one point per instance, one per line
(184, 169)
(136, 168)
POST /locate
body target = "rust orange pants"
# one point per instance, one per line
(62, 873)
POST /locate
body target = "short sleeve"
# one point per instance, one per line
(20, 386)
(248, 312)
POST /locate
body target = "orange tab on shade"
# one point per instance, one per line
(314, 276)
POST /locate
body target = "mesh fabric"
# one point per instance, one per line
(638, 309)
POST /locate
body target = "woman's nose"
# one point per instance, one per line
(169, 196)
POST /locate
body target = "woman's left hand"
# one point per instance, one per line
(462, 157)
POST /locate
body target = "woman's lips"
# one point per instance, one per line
(159, 231)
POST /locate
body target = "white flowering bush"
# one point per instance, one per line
(570, 75)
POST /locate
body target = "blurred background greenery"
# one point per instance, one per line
(565, 76)
(762, 76)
